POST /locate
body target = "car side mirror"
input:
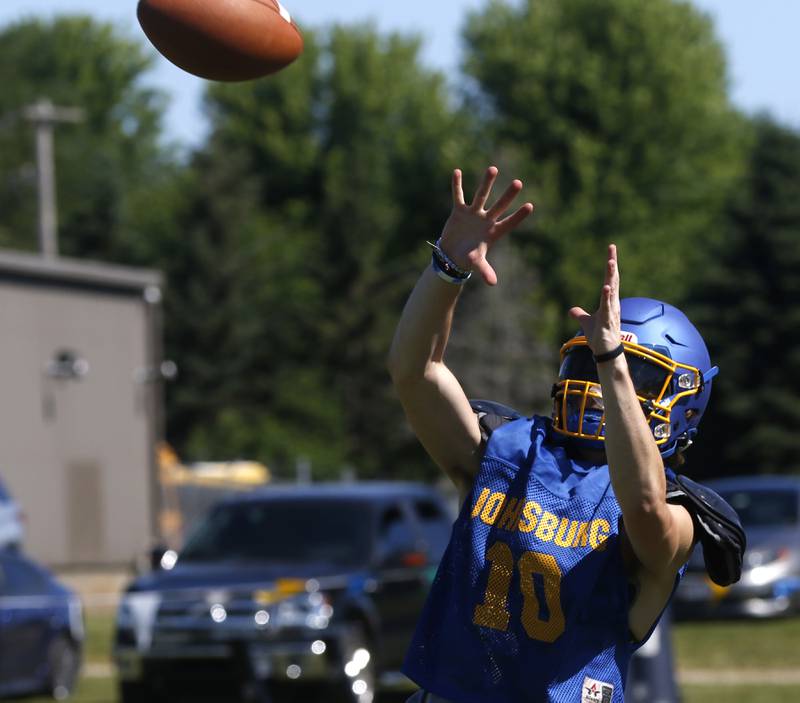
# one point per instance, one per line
(156, 555)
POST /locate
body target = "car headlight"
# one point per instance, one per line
(311, 610)
(762, 556)
(137, 612)
(768, 565)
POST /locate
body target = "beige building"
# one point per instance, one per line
(80, 407)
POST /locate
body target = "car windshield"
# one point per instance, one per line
(286, 531)
(764, 508)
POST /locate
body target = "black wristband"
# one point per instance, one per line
(446, 268)
(608, 356)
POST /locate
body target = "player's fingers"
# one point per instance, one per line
(484, 268)
(485, 187)
(504, 200)
(578, 313)
(458, 190)
(606, 300)
(505, 225)
(612, 273)
(614, 265)
(582, 317)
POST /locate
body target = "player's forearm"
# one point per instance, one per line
(424, 328)
(434, 402)
(636, 467)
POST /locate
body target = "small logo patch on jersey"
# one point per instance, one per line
(596, 691)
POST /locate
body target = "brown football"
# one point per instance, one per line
(222, 40)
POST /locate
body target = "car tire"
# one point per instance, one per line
(64, 664)
(346, 690)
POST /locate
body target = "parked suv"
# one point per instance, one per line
(769, 508)
(310, 593)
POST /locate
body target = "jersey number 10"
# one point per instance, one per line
(493, 612)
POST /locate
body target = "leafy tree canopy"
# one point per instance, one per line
(109, 164)
(617, 111)
(311, 204)
(292, 237)
(747, 306)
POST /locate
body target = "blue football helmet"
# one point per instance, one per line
(670, 368)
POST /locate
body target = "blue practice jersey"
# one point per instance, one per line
(531, 599)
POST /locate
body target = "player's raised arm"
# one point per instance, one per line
(434, 402)
(660, 534)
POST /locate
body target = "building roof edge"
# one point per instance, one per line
(77, 271)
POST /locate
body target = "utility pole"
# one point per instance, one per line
(44, 116)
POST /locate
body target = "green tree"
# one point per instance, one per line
(109, 165)
(334, 172)
(238, 308)
(618, 114)
(496, 349)
(747, 306)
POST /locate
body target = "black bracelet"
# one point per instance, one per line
(447, 277)
(446, 268)
(608, 356)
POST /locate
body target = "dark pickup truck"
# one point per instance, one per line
(298, 593)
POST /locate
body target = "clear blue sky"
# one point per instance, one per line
(760, 36)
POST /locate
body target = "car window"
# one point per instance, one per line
(764, 508)
(290, 531)
(435, 525)
(22, 578)
(395, 532)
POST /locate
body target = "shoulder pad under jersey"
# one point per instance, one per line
(717, 527)
(492, 415)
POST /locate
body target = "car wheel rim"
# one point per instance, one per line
(64, 670)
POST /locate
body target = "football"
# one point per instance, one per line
(222, 40)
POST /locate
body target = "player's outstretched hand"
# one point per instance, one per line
(602, 329)
(472, 228)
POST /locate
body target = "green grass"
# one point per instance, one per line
(743, 644)
(739, 694)
(90, 690)
(739, 646)
(99, 634)
(96, 690)
(724, 646)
